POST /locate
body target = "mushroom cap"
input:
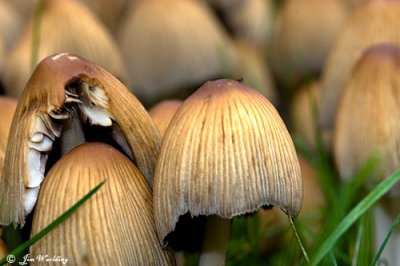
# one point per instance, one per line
(65, 26)
(162, 113)
(303, 114)
(114, 227)
(45, 93)
(226, 152)
(173, 45)
(368, 119)
(372, 22)
(251, 21)
(7, 110)
(303, 35)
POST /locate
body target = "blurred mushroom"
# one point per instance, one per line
(250, 21)
(162, 114)
(7, 110)
(173, 46)
(114, 227)
(11, 24)
(368, 122)
(226, 153)
(68, 91)
(304, 32)
(65, 26)
(372, 22)
(304, 115)
(368, 115)
(253, 69)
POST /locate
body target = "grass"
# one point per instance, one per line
(24, 246)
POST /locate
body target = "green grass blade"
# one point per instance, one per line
(353, 215)
(54, 224)
(303, 250)
(378, 254)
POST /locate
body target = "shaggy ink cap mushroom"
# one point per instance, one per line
(66, 91)
(225, 153)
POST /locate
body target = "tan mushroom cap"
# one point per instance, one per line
(251, 21)
(368, 118)
(372, 22)
(114, 227)
(65, 26)
(170, 45)
(304, 32)
(7, 110)
(226, 152)
(45, 93)
(162, 113)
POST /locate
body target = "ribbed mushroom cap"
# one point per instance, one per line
(170, 45)
(36, 124)
(226, 152)
(162, 114)
(114, 227)
(311, 210)
(368, 118)
(304, 33)
(65, 26)
(371, 23)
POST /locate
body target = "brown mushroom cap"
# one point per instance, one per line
(7, 110)
(162, 114)
(304, 32)
(173, 45)
(44, 95)
(226, 152)
(114, 227)
(368, 118)
(372, 22)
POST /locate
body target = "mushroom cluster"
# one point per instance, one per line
(220, 131)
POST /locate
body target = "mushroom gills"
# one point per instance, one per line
(83, 117)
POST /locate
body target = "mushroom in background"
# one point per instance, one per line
(304, 32)
(114, 227)
(7, 110)
(10, 26)
(162, 113)
(372, 22)
(253, 69)
(66, 26)
(304, 116)
(173, 46)
(226, 153)
(368, 123)
(69, 100)
(250, 21)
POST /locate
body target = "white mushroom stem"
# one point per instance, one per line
(383, 222)
(215, 241)
(72, 134)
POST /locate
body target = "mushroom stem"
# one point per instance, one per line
(72, 134)
(215, 241)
